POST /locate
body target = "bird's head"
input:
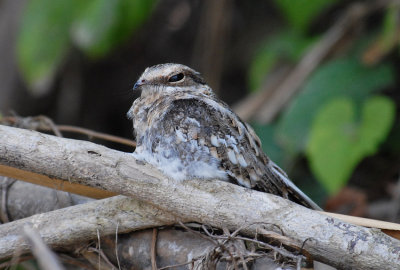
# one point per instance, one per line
(168, 77)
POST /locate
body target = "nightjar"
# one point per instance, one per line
(185, 131)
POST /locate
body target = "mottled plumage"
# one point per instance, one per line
(184, 130)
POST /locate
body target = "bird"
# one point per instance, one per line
(185, 131)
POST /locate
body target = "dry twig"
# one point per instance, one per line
(46, 258)
(4, 190)
(154, 250)
(46, 124)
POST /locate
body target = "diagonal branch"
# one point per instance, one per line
(266, 104)
(215, 203)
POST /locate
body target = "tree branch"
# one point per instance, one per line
(67, 226)
(25, 199)
(216, 203)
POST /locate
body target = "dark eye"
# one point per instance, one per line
(176, 77)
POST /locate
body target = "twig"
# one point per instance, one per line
(179, 264)
(116, 246)
(53, 127)
(46, 258)
(153, 250)
(278, 237)
(261, 243)
(96, 134)
(102, 256)
(99, 249)
(298, 264)
(67, 259)
(4, 190)
(198, 233)
(46, 124)
(231, 237)
(366, 222)
(242, 259)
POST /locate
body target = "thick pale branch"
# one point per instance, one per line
(186, 244)
(216, 203)
(65, 227)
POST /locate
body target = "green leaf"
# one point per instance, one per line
(378, 118)
(338, 142)
(341, 77)
(287, 45)
(43, 40)
(300, 13)
(104, 24)
(97, 26)
(94, 24)
(262, 63)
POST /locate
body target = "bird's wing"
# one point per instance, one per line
(210, 124)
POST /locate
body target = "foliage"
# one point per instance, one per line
(338, 141)
(43, 41)
(49, 29)
(103, 24)
(287, 45)
(300, 13)
(337, 119)
(339, 77)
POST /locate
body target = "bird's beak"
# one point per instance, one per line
(138, 84)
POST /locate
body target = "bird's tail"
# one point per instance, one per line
(292, 189)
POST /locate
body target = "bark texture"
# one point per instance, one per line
(215, 203)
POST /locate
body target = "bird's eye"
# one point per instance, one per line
(176, 77)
